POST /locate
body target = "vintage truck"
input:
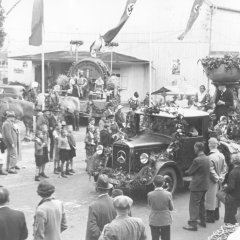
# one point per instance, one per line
(136, 161)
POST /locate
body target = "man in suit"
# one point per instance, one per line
(160, 202)
(223, 101)
(12, 222)
(199, 170)
(10, 138)
(101, 211)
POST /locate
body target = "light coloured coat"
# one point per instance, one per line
(50, 220)
(160, 202)
(218, 170)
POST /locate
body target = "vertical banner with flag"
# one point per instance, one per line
(112, 33)
(193, 16)
(37, 24)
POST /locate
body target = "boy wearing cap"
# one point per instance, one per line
(101, 211)
(124, 227)
(160, 202)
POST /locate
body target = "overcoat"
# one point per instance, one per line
(218, 170)
(100, 213)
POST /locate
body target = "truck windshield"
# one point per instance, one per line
(159, 125)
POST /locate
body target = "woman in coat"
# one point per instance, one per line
(232, 200)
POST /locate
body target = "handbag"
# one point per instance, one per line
(221, 195)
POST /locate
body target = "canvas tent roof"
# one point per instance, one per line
(66, 56)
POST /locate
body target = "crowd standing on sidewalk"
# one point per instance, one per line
(110, 217)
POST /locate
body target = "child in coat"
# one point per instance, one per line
(72, 143)
(39, 145)
(45, 140)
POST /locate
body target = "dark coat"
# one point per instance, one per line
(233, 187)
(199, 170)
(100, 213)
(227, 97)
(105, 138)
(12, 224)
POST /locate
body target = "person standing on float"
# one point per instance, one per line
(223, 101)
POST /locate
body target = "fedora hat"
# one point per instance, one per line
(103, 182)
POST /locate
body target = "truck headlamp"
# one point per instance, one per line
(144, 158)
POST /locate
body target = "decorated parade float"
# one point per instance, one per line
(95, 88)
(226, 70)
(163, 144)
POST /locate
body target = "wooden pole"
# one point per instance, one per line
(43, 69)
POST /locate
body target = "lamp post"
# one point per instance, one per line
(77, 44)
(111, 45)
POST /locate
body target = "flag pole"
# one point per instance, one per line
(150, 63)
(43, 70)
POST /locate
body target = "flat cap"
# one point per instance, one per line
(122, 202)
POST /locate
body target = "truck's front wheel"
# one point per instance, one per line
(170, 179)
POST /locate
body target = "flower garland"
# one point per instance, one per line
(223, 232)
(211, 63)
(146, 174)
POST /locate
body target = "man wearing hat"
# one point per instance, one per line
(123, 226)
(199, 170)
(120, 117)
(101, 211)
(50, 219)
(12, 222)
(160, 202)
(218, 170)
(10, 138)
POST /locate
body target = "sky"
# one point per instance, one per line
(67, 20)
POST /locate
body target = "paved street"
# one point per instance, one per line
(77, 192)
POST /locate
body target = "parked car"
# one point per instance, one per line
(13, 91)
(135, 155)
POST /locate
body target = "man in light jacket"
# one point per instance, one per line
(10, 138)
(218, 170)
(50, 219)
(160, 201)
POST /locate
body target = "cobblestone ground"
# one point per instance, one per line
(77, 192)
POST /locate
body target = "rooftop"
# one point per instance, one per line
(67, 56)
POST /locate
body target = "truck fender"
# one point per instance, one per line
(167, 164)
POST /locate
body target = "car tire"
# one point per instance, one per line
(170, 179)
